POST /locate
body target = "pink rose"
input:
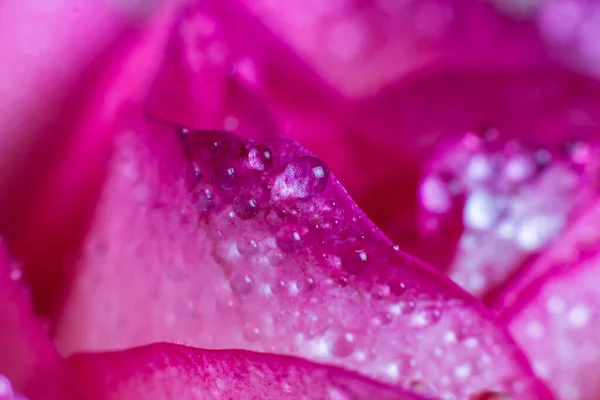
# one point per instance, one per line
(155, 256)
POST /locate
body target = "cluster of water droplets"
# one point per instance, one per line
(284, 236)
(500, 201)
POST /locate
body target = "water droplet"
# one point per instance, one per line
(240, 283)
(344, 345)
(403, 307)
(303, 178)
(246, 246)
(435, 196)
(482, 209)
(289, 240)
(260, 157)
(579, 316)
(426, 316)
(251, 332)
(305, 284)
(275, 258)
(245, 206)
(355, 262)
(202, 199)
(227, 179)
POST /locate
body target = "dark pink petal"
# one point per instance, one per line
(223, 243)
(168, 371)
(27, 355)
(552, 311)
(58, 60)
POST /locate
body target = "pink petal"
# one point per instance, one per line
(486, 69)
(167, 371)
(59, 59)
(223, 243)
(491, 204)
(27, 355)
(552, 311)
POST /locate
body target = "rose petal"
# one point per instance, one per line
(223, 243)
(443, 87)
(491, 203)
(552, 311)
(168, 371)
(27, 355)
(72, 55)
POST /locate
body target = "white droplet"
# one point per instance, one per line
(555, 305)
(435, 196)
(462, 371)
(537, 230)
(579, 315)
(479, 167)
(481, 210)
(535, 330)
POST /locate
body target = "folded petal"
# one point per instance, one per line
(168, 371)
(552, 308)
(218, 242)
(485, 64)
(28, 357)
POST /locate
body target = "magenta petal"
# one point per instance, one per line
(27, 355)
(223, 243)
(552, 311)
(491, 203)
(168, 371)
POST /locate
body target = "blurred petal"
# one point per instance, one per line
(223, 243)
(552, 311)
(27, 355)
(168, 371)
(60, 58)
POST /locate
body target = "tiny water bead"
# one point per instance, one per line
(289, 240)
(303, 178)
(260, 157)
(245, 206)
(247, 246)
(241, 283)
(355, 261)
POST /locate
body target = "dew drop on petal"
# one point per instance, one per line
(426, 316)
(246, 246)
(245, 206)
(260, 157)
(289, 240)
(344, 345)
(355, 261)
(240, 283)
(303, 178)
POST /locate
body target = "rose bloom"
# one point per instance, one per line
(337, 200)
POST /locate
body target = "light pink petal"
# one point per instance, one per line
(552, 311)
(168, 371)
(27, 355)
(220, 243)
